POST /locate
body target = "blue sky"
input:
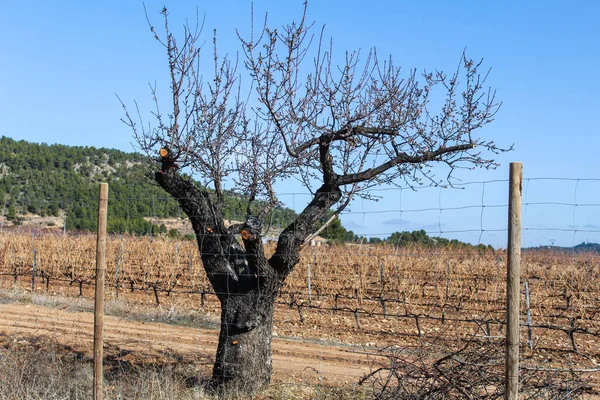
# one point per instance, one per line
(63, 61)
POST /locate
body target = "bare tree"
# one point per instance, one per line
(340, 130)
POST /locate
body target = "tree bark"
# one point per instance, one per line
(244, 282)
(243, 359)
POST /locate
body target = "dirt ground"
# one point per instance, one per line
(140, 343)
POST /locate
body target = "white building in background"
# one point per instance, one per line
(318, 241)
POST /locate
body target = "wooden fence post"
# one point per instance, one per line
(99, 296)
(513, 282)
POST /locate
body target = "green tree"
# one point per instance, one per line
(336, 233)
(11, 215)
(173, 233)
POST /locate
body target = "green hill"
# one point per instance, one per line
(62, 181)
(582, 248)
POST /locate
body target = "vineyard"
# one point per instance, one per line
(376, 295)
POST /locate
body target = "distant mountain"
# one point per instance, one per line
(587, 248)
(58, 184)
(580, 248)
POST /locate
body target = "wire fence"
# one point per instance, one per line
(376, 295)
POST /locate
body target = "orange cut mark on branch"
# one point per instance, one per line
(246, 234)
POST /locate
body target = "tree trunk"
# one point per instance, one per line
(245, 283)
(243, 361)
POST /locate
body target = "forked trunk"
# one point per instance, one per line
(245, 282)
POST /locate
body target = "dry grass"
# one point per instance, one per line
(40, 369)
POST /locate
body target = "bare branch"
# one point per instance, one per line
(402, 158)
